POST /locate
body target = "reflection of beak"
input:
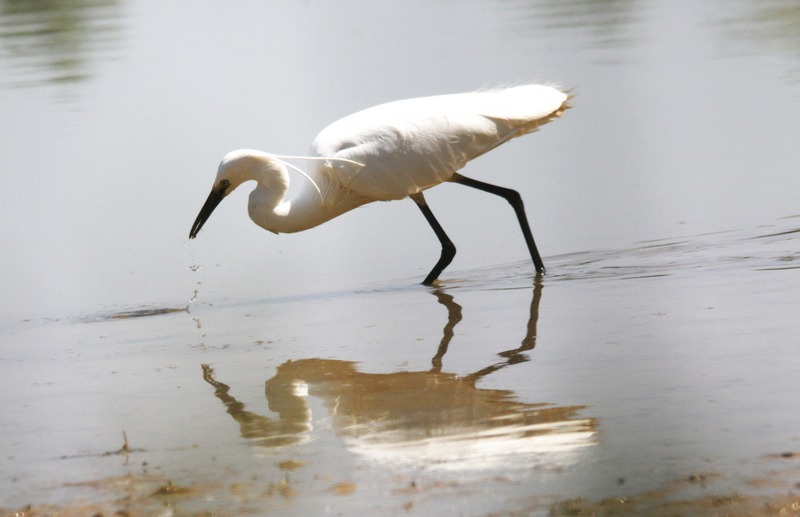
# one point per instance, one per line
(217, 194)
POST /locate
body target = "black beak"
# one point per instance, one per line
(217, 194)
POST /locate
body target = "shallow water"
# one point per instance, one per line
(616, 375)
(651, 370)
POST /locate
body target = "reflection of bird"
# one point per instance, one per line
(430, 419)
(419, 417)
(424, 412)
(388, 152)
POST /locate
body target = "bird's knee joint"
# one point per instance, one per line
(513, 197)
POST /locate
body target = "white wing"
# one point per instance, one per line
(410, 145)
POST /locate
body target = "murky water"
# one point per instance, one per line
(655, 363)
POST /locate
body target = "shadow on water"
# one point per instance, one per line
(127, 314)
(430, 419)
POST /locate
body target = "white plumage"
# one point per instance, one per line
(410, 145)
(387, 152)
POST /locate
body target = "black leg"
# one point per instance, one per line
(448, 248)
(513, 197)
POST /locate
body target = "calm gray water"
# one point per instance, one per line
(665, 205)
(115, 115)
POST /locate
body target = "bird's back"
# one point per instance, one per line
(410, 145)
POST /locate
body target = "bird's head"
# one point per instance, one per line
(234, 169)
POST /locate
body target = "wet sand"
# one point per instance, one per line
(659, 379)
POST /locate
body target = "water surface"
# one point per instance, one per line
(654, 364)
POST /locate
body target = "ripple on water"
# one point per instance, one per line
(777, 248)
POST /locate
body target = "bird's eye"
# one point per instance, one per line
(223, 185)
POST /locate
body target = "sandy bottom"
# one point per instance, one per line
(133, 495)
(658, 380)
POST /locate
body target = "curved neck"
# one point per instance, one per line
(269, 208)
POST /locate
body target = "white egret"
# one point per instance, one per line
(391, 151)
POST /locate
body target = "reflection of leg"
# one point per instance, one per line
(511, 356)
(530, 338)
(453, 317)
(533, 319)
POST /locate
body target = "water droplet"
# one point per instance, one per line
(196, 267)
(194, 297)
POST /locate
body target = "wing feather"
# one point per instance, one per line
(408, 146)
